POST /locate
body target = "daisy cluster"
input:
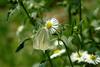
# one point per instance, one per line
(83, 56)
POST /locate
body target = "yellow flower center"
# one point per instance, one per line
(56, 51)
(93, 57)
(49, 25)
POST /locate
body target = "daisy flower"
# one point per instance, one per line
(75, 57)
(85, 57)
(57, 53)
(79, 57)
(92, 59)
(52, 25)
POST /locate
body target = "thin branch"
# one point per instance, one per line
(67, 51)
(32, 20)
(46, 52)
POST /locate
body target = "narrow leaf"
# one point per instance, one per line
(21, 45)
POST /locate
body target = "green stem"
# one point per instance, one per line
(79, 56)
(47, 53)
(80, 18)
(80, 11)
(21, 4)
(67, 51)
(78, 52)
(70, 18)
(59, 39)
(69, 14)
(43, 57)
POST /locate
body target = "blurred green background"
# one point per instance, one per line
(9, 41)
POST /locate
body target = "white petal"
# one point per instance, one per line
(54, 21)
(52, 30)
(55, 27)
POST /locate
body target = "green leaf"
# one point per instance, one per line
(21, 45)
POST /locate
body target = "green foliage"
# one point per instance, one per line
(79, 29)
